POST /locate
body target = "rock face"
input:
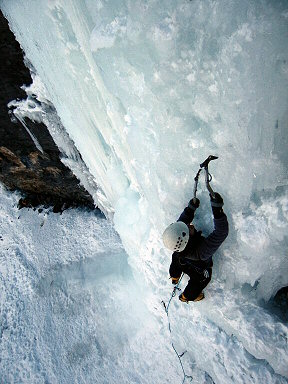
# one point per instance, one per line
(41, 177)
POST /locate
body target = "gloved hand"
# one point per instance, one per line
(194, 205)
(217, 200)
(217, 204)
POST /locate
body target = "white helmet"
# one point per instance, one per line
(176, 236)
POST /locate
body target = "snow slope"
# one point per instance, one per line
(70, 309)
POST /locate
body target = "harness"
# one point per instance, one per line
(200, 271)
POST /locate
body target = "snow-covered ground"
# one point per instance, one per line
(70, 309)
(71, 312)
(146, 90)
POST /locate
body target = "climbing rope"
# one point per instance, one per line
(166, 307)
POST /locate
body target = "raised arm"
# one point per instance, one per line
(187, 215)
(221, 229)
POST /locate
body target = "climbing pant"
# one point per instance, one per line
(199, 278)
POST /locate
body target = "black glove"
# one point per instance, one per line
(217, 200)
(194, 205)
(217, 204)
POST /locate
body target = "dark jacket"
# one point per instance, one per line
(199, 250)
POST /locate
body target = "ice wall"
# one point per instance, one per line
(147, 90)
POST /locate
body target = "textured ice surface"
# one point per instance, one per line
(70, 309)
(147, 90)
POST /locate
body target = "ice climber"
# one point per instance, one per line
(192, 252)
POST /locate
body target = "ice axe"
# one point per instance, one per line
(208, 176)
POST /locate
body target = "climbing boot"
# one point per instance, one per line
(175, 280)
(183, 298)
(200, 297)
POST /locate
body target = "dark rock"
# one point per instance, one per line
(41, 177)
